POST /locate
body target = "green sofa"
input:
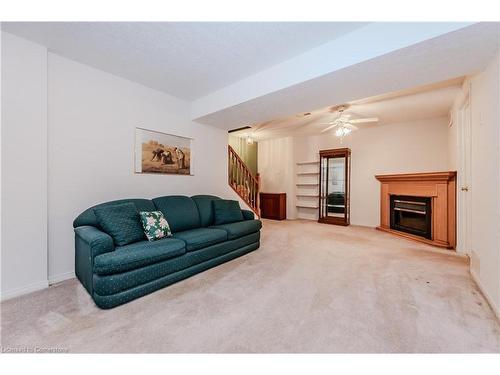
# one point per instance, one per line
(114, 275)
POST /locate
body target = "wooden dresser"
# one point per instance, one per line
(273, 206)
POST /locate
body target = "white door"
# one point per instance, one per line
(464, 178)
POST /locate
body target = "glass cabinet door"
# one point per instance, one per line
(334, 186)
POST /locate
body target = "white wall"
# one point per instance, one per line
(483, 90)
(89, 138)
(419, 146)
(92, 117)
(276, 168)
(24, 166)
(485, 181)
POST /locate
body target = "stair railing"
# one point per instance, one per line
(242, 181)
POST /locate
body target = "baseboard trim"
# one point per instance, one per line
(9, 294)
(430, 247)
(61, 277)
(483, 291)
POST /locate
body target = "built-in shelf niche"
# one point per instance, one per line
(307, 189)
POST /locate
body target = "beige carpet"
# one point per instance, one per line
(309, 288)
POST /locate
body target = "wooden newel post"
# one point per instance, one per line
(229, 164)
(257, 200)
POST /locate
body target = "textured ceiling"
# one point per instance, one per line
(417, 104)
(184, 59)
(463, 52)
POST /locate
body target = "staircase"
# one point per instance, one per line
(242, 181)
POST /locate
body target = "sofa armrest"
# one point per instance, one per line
(248, 215)
(98, 241)
(89, 243)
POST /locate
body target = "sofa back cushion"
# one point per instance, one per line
(205, 208)
(226, 211)
(121, 221)
(180, 211)
(88, 217)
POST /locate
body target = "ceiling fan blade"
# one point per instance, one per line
(332, 120)
(305, 124)
(258, 127)
(328, 128)
(362, 120)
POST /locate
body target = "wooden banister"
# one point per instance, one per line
(242, 181)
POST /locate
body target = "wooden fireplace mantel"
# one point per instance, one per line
(439, 186)
(430, 176)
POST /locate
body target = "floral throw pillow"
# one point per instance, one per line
(155, 225)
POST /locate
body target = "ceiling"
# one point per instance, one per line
(419, 103)
(383, 57)
(187, 60)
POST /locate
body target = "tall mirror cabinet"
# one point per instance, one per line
(334, 178)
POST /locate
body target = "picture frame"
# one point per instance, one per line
(162, 153)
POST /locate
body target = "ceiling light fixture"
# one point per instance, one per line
(343, 124)
(342, 131)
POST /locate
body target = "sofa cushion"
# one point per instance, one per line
(155, 225)
(205, 208)
(201, 237)
(226, 211)
(240, 229)
(137, 255)
(111, 284)
(87, 217)
(248, 215)
(120, 221)
(180, 211)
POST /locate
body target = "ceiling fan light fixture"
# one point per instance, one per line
(342, 131)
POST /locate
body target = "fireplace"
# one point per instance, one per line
(411, 215)
(419, 206)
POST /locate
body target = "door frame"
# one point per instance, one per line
(464, 175)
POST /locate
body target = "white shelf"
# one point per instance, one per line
(307, 162)
(306, 173)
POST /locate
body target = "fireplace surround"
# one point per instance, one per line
(433, 193)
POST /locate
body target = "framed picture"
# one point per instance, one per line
(162, 153)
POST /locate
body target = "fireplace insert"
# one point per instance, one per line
(411, 215)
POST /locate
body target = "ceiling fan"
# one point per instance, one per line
(343, 122)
